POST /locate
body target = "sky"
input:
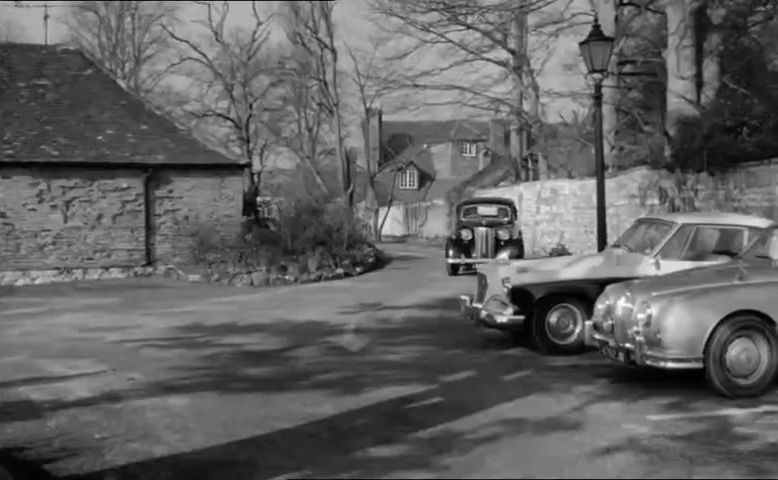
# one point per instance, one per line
(351, 22)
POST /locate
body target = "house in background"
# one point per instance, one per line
(91, 177)
(423, 164)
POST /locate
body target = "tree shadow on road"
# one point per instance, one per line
(424, 346)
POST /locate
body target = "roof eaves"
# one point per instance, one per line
(182, 130)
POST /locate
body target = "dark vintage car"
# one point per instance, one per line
(486, 229)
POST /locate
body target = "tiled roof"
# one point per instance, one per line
(435, 131)
(57, 106)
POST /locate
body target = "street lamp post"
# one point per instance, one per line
(596, 50)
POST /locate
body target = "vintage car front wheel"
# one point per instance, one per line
(740, 360)
(558, 326)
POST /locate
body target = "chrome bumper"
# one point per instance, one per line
(475, 313)
(471, 261)
(637, 352)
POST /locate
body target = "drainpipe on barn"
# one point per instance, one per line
(148, 217)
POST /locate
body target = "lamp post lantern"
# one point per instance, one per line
(596, 50)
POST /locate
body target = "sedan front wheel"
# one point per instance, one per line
(558, 326)
(741, 360)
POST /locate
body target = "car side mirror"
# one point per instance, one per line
(657, 264)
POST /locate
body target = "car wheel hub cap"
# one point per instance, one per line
(743, 357)
(563, 324)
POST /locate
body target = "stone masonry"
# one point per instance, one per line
(187, 200)
(563, 211)
(52, 217)
(95, 218)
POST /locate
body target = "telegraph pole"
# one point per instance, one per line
(45, 6)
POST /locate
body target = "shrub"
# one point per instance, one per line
(307, 235)
(306, 227)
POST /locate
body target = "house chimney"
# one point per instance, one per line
(374, 138)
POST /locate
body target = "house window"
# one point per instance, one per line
(409, 179)
(469, 149)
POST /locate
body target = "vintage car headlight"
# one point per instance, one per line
(644, 314)
(623, 305)
(466, 234)
(601, 305)
(503, 234)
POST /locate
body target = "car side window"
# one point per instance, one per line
(710, 240)
(676, 245)
(753, 235)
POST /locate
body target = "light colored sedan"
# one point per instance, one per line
(554, 296)
(721, 319)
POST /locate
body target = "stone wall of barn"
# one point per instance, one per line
(78, 218)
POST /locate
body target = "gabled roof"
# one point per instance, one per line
(58, 106)
(417, 155)
(436, 131)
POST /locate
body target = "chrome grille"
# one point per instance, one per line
(484, 242)
(480, 288)
(623, 324)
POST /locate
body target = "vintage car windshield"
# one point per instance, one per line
(644, 235)
(486, 210)
(765, 247)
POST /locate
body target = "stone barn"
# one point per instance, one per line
(91, 178)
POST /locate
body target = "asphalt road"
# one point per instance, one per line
(371, 377)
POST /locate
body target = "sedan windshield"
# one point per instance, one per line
(486, 210)
(765, 247)
(644, 235)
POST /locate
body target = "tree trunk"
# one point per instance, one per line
(379, 234)
(711, 48)
(681, 95)
(371, 200)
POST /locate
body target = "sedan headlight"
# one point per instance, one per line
(623, 305)
(466, 234)
(503, 234)
(644, 314)
(601, 305)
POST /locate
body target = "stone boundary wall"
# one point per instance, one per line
(563, 211)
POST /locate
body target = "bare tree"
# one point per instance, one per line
(476, 53)
(234, 78)
(372, 80)
(126, 37)
(311, 91)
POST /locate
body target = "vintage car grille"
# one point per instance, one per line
(484, 242)
(480, 288)
(622, 325)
